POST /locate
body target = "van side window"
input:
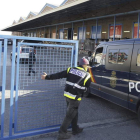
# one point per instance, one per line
(118, 56)
(138, 58)
(122, 56)
(113, 55)
(98, 56)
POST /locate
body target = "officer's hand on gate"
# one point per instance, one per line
(43, 76)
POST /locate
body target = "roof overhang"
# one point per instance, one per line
(21, 25)
(49, 18)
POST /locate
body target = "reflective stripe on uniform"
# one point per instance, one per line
(86, 79)
(80, 68)
(71, 96)
(68, 69)
(75, 85)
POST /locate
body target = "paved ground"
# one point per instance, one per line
(117, 129)
(38, 107)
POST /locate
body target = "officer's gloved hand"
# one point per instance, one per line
(43, 76)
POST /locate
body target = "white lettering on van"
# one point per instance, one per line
(136, 86)
(132, 85)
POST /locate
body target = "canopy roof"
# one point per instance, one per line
(64, 13)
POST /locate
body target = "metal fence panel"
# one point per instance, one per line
(3, 88)
(0, 73)
(40, 103)
(38, 106)
(0, 61)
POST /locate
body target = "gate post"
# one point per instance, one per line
(76, 53)
(48, 58)
(17, 82)
(12, 87)
(0, 57)
(3, 88)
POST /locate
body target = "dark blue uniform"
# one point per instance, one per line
(32, 60)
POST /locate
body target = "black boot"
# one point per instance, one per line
(79, 130)
(63, 136)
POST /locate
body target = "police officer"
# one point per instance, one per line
(32, 60)
(89, 58)
(77, 82)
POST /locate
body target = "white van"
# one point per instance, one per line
(24, 54)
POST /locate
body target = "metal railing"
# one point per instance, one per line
(29, 105)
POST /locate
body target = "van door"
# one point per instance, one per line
(96, 71)
(134, 88)
(115, 73)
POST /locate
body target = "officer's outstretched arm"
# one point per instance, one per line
(58, 75)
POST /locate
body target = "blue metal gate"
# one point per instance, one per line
(29, 105)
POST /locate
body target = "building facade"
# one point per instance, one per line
(83, 20)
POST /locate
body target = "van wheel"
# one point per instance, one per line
(87, 93)
(139, 114)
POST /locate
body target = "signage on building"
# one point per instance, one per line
(136, 30)
(118, 31)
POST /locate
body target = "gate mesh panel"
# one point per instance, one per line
(41, 102)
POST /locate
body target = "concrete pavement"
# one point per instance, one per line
(115, 129)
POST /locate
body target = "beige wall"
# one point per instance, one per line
(126, 21)
(127, 24)
(16, 33)
(37, 32)
(53, 32)
(47, 32)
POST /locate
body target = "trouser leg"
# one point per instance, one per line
(72, 111)
(30, 68)
(74, 123)
(33, 70)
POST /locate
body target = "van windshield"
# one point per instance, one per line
(98, 56)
